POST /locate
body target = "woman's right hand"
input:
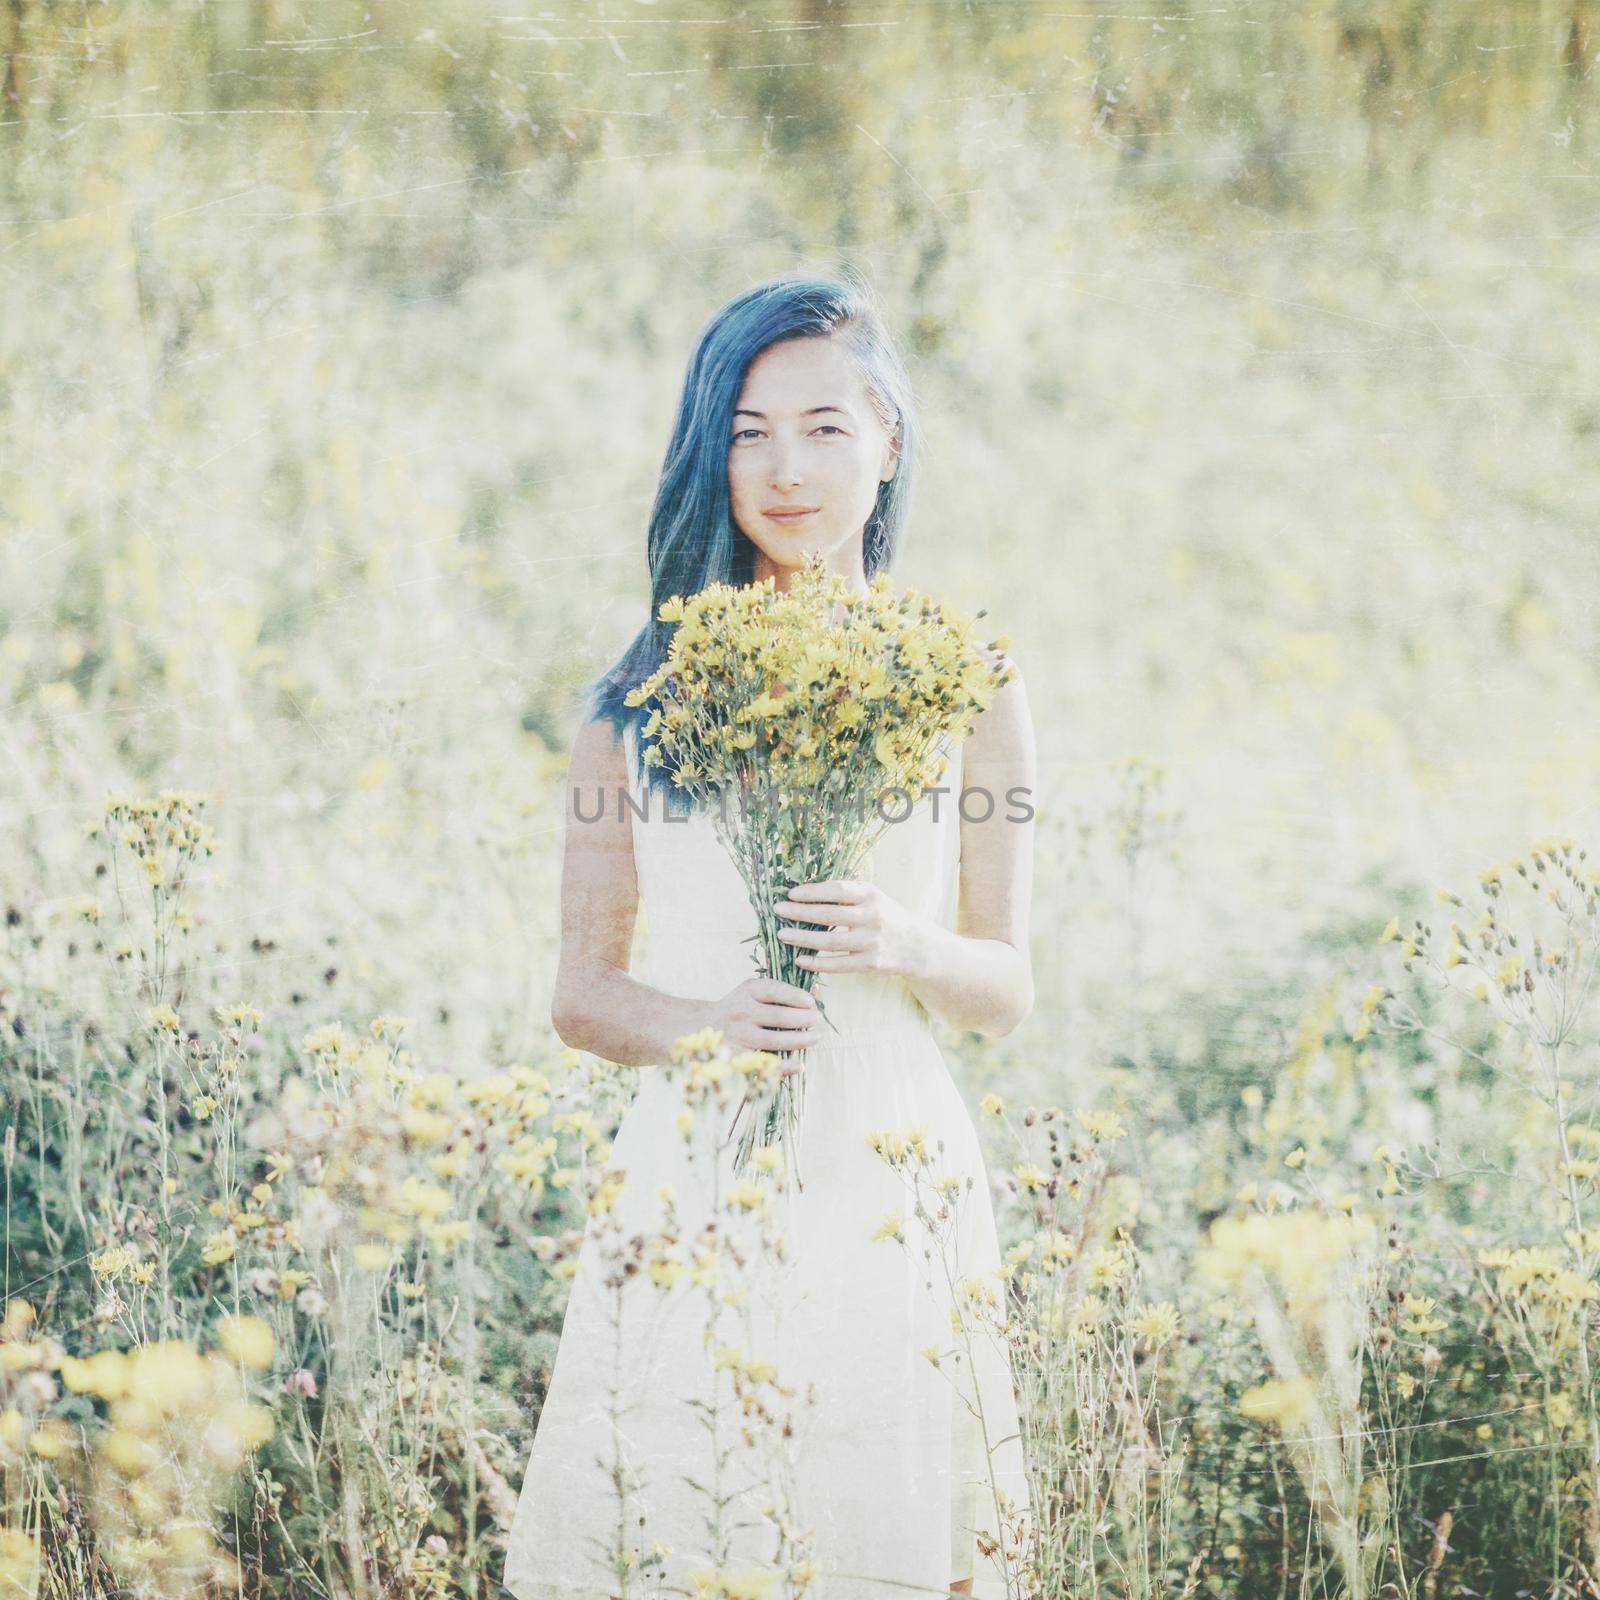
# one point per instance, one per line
(767, 1014)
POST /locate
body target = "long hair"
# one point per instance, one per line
(693, 539)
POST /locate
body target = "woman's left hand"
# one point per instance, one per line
(866, 930)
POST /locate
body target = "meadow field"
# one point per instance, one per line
(1259, 365)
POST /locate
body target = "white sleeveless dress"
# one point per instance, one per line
(889, 1475)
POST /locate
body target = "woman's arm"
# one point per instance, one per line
(979, 976)
(596, 1006)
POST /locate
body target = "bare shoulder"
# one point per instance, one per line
(597, 783)
(598, 755)
(1003, 730)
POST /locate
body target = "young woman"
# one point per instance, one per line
(795, 432)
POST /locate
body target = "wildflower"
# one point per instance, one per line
(1031, 1178)
(1288, 1402)
(892, 1227)
(290, 1281)
(1155, 1322)
(719, 1583)
(1101, 1126)
(605, 1195)
(666, 1269)
(1056, 1251)
(1019, 1252)
(108, 1373)
(1371, 1002)
(1107, 1268)
(50, 1440)
(217, 1249)
(1299, 1248)
(991, 1105)
(1420, 1319)
(247, 1339)
(113, 1262)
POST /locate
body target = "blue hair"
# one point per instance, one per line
(693, 539)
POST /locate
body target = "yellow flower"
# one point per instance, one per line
(106, 1372)
(1101, 1125)
(747, 1196)
(892, 1227)
(50, 1440)
(217, 1249)
(1106, 1268)
(247, 1339)
(991, 1105)
(1287, 1402)
(665, 1270)
(605, 1196)
(1155, 1322)
(721, 1583)
(1298, 1248)
(1390, 930)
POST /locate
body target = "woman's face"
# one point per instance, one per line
(806, 440)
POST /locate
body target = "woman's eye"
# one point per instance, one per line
(827, 427)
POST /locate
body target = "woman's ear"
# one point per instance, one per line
(891, 459)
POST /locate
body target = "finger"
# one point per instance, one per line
(788, 1020)
(795, 1001)
(775, 992)
(818, 939)
(841, 889)
(785, 1038)
(832, 912)
(831, 961)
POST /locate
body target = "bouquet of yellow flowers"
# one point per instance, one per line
(804, 706)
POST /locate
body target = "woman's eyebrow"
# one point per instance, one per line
(744, 412)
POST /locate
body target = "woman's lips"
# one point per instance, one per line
(789, 516)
